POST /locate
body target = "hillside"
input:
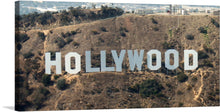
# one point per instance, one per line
(64, 17)
(125, 89)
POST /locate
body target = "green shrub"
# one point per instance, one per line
(37, 99)
(60, 42)
(115, 90)
(202, 55)
(21, 37)
(41, 35)
(181, 77)
(103, 29)
(56, 77)
(179, 92)
(170, 33)
(44, 91)
(28, 55)
(123, 29)
(180, 104)
(156, 29)
(63, 35)
(61, 84)
(177, 30)
(210, 97)
(45, 18)
(134, 89)
(68, 40)
(34, 63)
(167, 45)
(19, 71)
(19, 80)
(208, 49)
(39, 53)
(73, 32)
(168, 85)
(39, 96)
(112, 89)
(215, 23)
(64, 18)
(110, 12)
(67, 34)
(150, 88)
(75, 43)
(154, 21)
(189, 37)
(202, 30)
(96, 64)
(19, 46)
(122, 34)
(101, 40)
(207, 63)
(46, 80)
(95, 32)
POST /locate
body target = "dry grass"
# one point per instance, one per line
(109, 90)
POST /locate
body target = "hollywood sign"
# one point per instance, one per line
(135, 60)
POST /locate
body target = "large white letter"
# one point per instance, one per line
(186, 60)
(49, 63)
(88, 63)
(167, 59)
(118, 60)
(103, 63)
(68, 63)
(135, 59)
(149, 59)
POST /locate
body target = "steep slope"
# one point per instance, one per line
(111, 89)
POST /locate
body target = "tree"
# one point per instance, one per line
(19, 46)
(60, 42)
(21, 37)
(202, 55)
(103, 29)
(154, 21)
(202, 30)
(215, 23)
(46, 80)
(110, 12)
(147, 88)
(189, 37)
(150, 87)
(39, 96)
(45, 18)
(61, 84)
(182, 77)
(64, 18)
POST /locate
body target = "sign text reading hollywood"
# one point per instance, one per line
(135, 60)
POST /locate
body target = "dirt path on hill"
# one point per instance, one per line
(198, 93)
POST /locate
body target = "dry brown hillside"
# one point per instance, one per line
(121, 89)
